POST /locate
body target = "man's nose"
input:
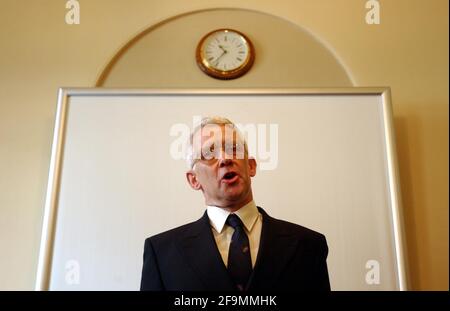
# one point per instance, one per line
(224, 159)
(224, 162)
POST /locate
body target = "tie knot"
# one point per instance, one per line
(234, 221)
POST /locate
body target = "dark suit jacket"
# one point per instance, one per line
(290, 258)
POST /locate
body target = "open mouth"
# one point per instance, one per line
(229, 177)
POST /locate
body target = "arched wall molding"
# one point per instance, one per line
(133, 41)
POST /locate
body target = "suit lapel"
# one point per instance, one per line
(200, 249)
(276, 248)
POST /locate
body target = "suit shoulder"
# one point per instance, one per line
(303, 233)
(170, 235)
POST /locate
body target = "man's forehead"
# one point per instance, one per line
(218, 131)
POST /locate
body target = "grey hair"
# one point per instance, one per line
(205, 121)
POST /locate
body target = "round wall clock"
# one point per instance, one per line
(225, 54)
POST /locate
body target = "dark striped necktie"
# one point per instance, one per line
(239, 260)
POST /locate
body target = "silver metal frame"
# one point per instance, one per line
(50, 213)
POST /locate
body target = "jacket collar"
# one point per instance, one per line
(277, 246)
(248, 214)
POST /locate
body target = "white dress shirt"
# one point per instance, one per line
(250, 217)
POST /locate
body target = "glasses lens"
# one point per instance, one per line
(210, 152)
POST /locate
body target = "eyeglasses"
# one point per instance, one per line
(211, 152)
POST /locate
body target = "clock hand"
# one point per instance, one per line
(220, 46)
(217, 60)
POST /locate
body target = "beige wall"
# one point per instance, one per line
(408, 51)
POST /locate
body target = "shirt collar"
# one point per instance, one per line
(247, 213)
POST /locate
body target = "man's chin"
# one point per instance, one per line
(233, 195)
(235, 188)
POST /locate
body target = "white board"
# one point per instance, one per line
(113, 180)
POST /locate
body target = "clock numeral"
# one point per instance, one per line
(239, 59)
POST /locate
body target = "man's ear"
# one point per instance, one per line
(192, 180)
(252, 167)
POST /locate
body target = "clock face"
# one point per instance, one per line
(225, 54)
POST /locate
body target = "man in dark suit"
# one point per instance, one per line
(235, 245)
